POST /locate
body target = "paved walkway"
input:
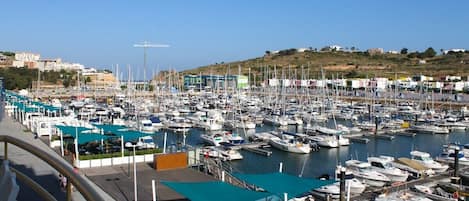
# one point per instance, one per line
(32, 166)
(119, 184)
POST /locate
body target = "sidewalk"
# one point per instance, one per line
(35, 168)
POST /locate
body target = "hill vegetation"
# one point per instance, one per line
(22, 78)
(347, 64)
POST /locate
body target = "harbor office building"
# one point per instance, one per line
(221, 82)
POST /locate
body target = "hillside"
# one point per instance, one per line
(343, 64)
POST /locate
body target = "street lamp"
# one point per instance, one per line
(128, 144)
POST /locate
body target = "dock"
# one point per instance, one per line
(258, 150)
(380, 136)
(254, 147)
(362, 140)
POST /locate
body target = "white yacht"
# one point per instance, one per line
(288, 143)
(325, 141)
(276, 120)
(178, 124)
(424, 159)
(356, 187)
(429, 129)
(222, 153)
(383, 165)
(449, 153)
(213, 139)
(362, 171)
(145, 126)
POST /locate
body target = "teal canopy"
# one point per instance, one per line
(108, 128)
(71, 130)
(130, 135)
(279, 183)
(90, 137)
(216, 191)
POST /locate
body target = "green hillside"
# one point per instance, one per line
(344, 64)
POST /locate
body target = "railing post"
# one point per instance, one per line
(5, 153)
(69, 190)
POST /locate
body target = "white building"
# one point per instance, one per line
(26, 56)
(57, 65)
(454, 50)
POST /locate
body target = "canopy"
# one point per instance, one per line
(71, 130)
(130, 135)
(109, 128)
(279, 183)
(90, 137)
(215, 191)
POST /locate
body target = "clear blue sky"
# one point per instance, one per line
(101, 33)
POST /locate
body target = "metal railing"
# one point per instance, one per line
(88, 192)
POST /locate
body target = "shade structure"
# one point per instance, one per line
(130, 135)
(109, 128)
(280, 183)
(71, 130)
(84, 138)
(216, 191)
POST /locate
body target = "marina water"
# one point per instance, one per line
(325, 160)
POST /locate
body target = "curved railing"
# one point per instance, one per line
(88, 191)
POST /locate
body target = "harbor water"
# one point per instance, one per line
(324, 161)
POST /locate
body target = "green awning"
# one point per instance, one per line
(279, 183)
(217, 191)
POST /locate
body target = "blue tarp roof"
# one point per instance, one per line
(280, 183)
(216, 191)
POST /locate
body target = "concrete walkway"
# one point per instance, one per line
(117, 181)
(32, 166)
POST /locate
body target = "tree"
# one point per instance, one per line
(404, 51)
(87, 80)
(429, 52)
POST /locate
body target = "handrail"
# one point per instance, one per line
(88, 192)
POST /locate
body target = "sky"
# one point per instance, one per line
(101, 34)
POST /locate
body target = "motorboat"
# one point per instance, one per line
(362, 171)
(382, 164)
(448, 155)
(146, 126)
(401, 196)
(213, 139)
(435, 193)
(415, 169)
(276, 120)
(288, 143)
(233, 138)
(178, 124)
(224, 153)
(355, 186)
(429, 129)
(325, 141)
(156, 122)
(424, 159)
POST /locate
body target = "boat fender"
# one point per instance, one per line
(455, 195)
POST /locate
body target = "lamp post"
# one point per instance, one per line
(135, 174)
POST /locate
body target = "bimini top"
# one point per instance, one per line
(280, 183)
(216, 191)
